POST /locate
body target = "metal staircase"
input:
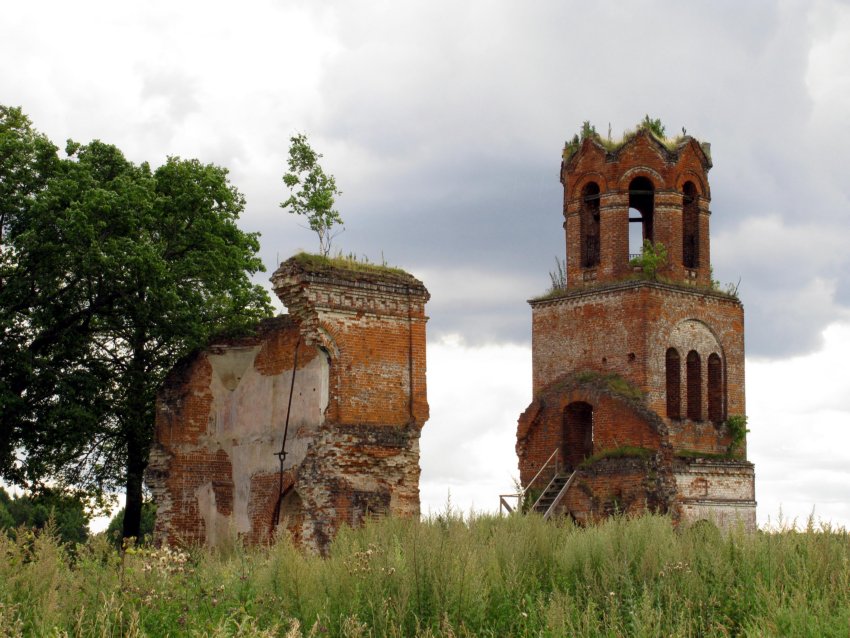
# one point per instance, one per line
(550, 498)
(552, 494)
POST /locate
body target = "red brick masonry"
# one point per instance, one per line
(634, 376)
(358, 404)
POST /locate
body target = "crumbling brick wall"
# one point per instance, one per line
(357, 406)
(626, 328)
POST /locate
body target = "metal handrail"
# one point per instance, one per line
(543, 493)
(540, 471)
(560, 496)
(504, 505)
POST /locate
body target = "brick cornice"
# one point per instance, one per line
(613, 289)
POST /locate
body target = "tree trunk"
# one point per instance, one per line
(137, 433)
(136, 455)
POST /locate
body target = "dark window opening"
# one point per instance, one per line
(590, 226)
(690, 226)
(641, 209)
(674, 384)
(578, 433)
(694, 380)
(715, 388)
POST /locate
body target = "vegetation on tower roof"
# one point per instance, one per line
(654, 127)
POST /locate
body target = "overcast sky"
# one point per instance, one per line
(443, 123)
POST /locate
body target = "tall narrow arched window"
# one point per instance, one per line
(715, 388)
(641, 210)
(693, 373)
(590, 225)
(674, 384)
(690, 226)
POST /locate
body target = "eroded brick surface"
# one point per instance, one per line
(357, 406)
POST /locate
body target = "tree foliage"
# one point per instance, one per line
(116, 524)
(313, 193)
(65, 512)
(110, 272)
(653, 257)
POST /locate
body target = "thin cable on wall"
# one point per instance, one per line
(282, 454)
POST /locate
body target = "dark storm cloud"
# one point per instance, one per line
(464, 120)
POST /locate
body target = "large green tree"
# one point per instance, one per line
(109, 273)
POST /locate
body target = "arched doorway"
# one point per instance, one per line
(578, 433)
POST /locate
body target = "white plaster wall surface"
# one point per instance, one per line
(723, 495)
(717, 484)
(692, 334)
(247, 421)
(726, 516)
(216, 525)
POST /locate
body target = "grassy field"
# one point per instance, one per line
(487, 576)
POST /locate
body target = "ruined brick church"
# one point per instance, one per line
(638, 377)
(638, 371)
(310, 424)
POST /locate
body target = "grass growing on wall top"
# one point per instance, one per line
(351, 262)
(613, 381)
(483, 576)
(621, 452)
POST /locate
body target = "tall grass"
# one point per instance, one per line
(485, 576)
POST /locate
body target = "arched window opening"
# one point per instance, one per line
(674, 389)
(694, 379)
(715, 388)
(690, 226)
(641, 208)
(590, 225)
(578, 433)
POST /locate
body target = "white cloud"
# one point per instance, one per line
(476, 395)
(798, 409)
(799, 416)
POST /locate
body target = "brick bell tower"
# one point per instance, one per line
(638, 369)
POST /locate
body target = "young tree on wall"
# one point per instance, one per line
(316, 192)
(110, 272)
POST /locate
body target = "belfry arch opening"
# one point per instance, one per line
(641, 212)
(577, 433)
(589, 223)
(690, 226)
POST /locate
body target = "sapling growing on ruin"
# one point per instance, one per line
(312, 192)
(653, 257)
